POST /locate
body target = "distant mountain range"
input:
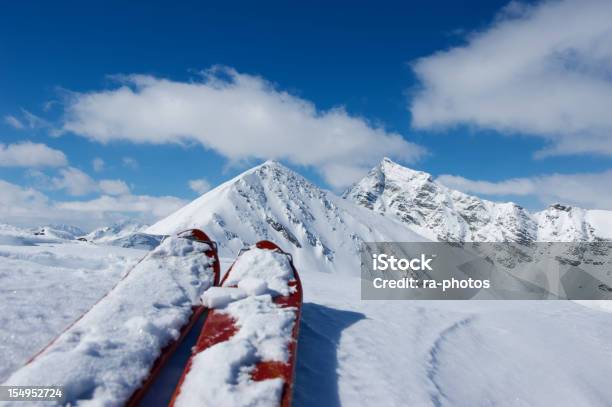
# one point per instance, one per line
(392, 203)
(445, 214)
(325, 231)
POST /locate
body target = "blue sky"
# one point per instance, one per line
(391, 66)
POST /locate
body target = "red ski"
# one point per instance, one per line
(246, 352)
(197, 313)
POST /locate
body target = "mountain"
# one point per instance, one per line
(65, 232)
(569, 224)
(441, 213)
(127, 234)
(270, 201)
(115, 231)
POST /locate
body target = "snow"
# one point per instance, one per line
(440, 213)
(273, 268)
(45, 284)
(351, 352)
(115, 231)
(107, 353)
(219, 375)
(219, 297)
(602, 221)
(220, 382)
(448, 353)
(360, 353)
(322, 231)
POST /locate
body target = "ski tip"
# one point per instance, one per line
(268, 245)
(195, 234)
(199, 236)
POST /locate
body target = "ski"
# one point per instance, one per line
(246, 351)
(119, 346)
(198, 310)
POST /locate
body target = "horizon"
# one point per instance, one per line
(150, 119)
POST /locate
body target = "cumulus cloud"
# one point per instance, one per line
(31, 155)
(98, 164)
(588, 190)
(74, 181)
(239, 116)
(542, 70)
(77, 183)
(201, 186)
(29, 207)
(114, 187)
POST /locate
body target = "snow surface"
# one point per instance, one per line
(45, 284)
(448, 353)
(107, 353)
(220, 375)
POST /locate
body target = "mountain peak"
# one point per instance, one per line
(272, 163)
(416, 199)
(396, 171)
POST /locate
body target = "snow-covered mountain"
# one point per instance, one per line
(270, 201)
(61, 231)
(115, 231)
(127, 234)
(445, 214)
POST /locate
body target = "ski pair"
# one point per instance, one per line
(245, 353)
(113, 352)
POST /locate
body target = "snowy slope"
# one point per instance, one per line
(321, 230)
(449, 215)
(353, 352)
(448, 354)
(570, 224)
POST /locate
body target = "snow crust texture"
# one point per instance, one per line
(105, 356)
(220, 375)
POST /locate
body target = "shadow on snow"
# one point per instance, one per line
(317, 360)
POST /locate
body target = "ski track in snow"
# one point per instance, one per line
(434, 360)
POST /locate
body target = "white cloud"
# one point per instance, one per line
(29, 207)
(543, 70)
(28, 154)
(155, 207)
(98, 164)
(77, 183)
(129, 162)
(19, 204)
(201, 186)
(588, 190)
(13, 122)
(74, 181)
(238, 116)
(114, 187)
